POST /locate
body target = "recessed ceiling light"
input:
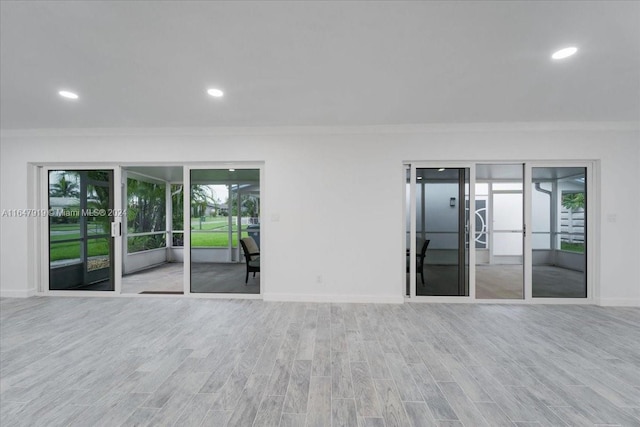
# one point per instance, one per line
(232, 170)
(216, 93)
(564, 53)
(440, 170)
(68, 95)
(419, 177)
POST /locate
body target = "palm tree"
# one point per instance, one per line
(573, 201)
(146, 206)
(64, 188)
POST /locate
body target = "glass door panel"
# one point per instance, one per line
(442, 232)
(225, 208)
(80, 242)
(559, 224)
(499, 231)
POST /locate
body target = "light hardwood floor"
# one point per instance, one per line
(195, 362)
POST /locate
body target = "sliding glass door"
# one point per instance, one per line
(224, 212)
(500, 260)
(81, 247)
(439, 259)
(530, 230)
(559, 232)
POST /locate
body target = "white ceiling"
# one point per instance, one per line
(148, 64)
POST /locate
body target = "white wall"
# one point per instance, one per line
(338, 194)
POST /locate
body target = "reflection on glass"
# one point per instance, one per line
(80, 246)
(98, 250)
(559, 221)
(225, 207)
(441, 232)
(499, 231)
(64, 253)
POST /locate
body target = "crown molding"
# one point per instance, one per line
(325, 130)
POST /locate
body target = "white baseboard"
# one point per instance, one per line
(620, 302)
(17, 293)
(376, 299)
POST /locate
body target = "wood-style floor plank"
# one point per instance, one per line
(196, 362)
(343, 413)
(319, 406)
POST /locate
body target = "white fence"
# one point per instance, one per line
(572, 222)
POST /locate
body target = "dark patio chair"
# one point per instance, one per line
(251, 256)
(420, 260)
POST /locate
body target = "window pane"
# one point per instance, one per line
(559, 219)
(442, 215)
(80, 202)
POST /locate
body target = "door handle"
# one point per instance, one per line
(116, 229)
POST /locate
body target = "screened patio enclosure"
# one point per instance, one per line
(154, 218)
(223, 206)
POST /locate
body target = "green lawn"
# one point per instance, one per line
(572, 247)
(215, 223)
(217, 239)
(57, 237)
(72, 231)
(65, 227)
(220, 240)
(214, 235)
(71, 250)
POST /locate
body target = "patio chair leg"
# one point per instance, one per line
(246, 278)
